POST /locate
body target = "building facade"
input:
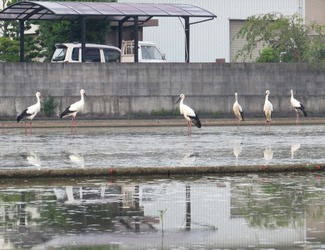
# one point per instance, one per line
(213, 40)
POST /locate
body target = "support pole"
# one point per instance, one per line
(187, 39)
(120, 34)
(83, 42)
(71, 32)
(21, 38)
(136, 39)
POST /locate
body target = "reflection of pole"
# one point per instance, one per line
(188, 207)
(137, 208)
(22, 214)
(161, 214)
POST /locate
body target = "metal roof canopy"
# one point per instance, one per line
(121, 12)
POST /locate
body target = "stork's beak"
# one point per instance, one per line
(178, 100)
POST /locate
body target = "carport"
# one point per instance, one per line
(134, 13)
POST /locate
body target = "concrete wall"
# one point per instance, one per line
(123, 89)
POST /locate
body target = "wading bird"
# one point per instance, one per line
(189, 114)
(297, 106)
(31, 111)
(238, 111)
(268, 109)
(74, 108)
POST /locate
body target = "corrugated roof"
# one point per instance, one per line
(43, 10)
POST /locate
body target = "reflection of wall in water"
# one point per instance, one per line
(216, 212)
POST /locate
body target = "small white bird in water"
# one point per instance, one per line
(238, 111)
(189, 114)
(268, 108)
(297, 106)
(74, 108)
(31, 111)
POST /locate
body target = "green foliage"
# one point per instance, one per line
(49, 105)
(216, 114)
(49, 33)
(269, 55)
(9, 50)
(288, 36)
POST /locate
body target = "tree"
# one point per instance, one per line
(9, 50)
(9, 42)
(288, 36)
(41, 44)
(268, 55)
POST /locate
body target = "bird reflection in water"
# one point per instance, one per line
(268, 155)
(77, 159)
(189, 158)
(294, 148)
(33, 159)
(237, 148)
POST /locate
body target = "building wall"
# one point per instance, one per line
(210, 40)
(315, 10)
(123, 89)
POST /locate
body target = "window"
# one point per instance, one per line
(112, 55)
(59, 54)
(150, 52)
(92, 55)
(75, 54)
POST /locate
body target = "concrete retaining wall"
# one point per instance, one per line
(123, 89)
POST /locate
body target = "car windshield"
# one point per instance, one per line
(59, 54)
(150, 52)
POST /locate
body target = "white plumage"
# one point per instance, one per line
(238, 111)
(189, 114)
(268, 108)
(74, 108)
(31, 111)
(297, 106)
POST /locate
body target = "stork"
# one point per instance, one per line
(74, 108)
(30, 112)
(189, 114)
(268, 109)
(238, 111)
(297, 106)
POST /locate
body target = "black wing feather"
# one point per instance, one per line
(67, 111)
(196, 120)
(22, 115)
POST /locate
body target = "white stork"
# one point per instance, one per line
(268, 108)
(238, 111)
(297, 106)
(189, 114)
(74, 108)
(31, 111)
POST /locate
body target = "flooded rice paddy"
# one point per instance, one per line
(252, 211)
(162, 146)
(266, 211)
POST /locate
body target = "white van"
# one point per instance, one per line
(147, 52)
(71, 52)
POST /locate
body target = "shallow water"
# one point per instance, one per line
(162, 146)
(265, 211)
(278, 211)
